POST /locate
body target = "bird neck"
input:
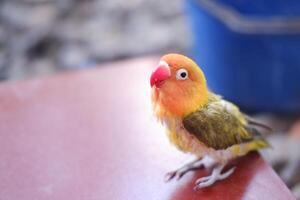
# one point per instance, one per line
(181, 105)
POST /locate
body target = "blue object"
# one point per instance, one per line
(249, 51)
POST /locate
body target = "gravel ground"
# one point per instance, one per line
(44, 36)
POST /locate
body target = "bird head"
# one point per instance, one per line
(178, 85)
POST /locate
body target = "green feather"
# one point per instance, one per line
(220, 125)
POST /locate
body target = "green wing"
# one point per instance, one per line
(219, 125)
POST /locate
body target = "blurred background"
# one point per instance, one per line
(39, 37)
(249, 50)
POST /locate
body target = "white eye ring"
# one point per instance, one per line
(182, 74)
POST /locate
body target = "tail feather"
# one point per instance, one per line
(254, 145)
(253, 122)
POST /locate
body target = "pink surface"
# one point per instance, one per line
(91, 135)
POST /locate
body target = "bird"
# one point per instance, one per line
(200, 122)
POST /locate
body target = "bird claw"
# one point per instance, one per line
(201, 180)
(169, 176)
(197, 164)
(214, 177)
(178, 174)
(206, 162)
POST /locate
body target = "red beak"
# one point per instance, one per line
(160, 74)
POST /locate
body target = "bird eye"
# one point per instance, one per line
(182, 74)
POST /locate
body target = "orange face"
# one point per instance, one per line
(178, 85)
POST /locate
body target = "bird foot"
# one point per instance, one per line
(178, 174)
(196, 164)
(215, 176)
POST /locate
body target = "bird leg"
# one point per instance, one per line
(194, 165)
(215, 176)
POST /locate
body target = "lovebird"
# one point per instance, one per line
(200, 122)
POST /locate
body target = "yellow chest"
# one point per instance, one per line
(183, 140)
